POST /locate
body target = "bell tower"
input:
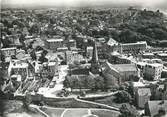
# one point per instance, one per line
(95, 61)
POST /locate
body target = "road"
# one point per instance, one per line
(52, 92)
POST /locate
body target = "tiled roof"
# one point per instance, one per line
(155, 106)
(125, 67)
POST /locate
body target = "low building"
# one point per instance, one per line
(153, 71)
(156, 108)
(142, 96)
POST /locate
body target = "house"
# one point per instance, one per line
(142, 96)
(153, 71)
(156, 108)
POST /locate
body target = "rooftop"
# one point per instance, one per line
(54, 40)
(8, 48)
(144, 92)
(125, 67)
(112, 42)
(138, 84)
(163, 54)
(155, 64)
(19, 65)
(140, 42)
(155, 106)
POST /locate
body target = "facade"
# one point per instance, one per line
(8, 52)
(48, 69)
(53, 67)
(126, 47)
(128, 72)
(118, 73)
(112, 76)
(71, 43)
(153, 71)
(89, 51)
(53, 44)
(116, 58)
(72, 56)
(142, 46)
(19, 68)
(142, 96)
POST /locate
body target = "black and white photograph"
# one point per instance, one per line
(83, 58)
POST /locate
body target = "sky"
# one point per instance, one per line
(143, 3)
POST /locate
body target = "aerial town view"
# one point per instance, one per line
(83, 58)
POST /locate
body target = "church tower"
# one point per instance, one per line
(95, 61)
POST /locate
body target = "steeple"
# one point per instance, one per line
(95, 54)
(95, 60)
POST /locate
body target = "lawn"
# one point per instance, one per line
(53, 112)
(109, 101)
(105, 113)
(76, 113)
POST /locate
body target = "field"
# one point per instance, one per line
(79, 112)
(53, 112)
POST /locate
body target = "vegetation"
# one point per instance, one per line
(128, 111)
(122, 97)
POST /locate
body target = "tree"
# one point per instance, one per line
(26, 101)
(122, 97)
(34, 29)
(128, 111)
(99, 83)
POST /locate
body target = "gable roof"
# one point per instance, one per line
(125, 67)
(155, 106)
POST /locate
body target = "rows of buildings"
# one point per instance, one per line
(54, 58)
